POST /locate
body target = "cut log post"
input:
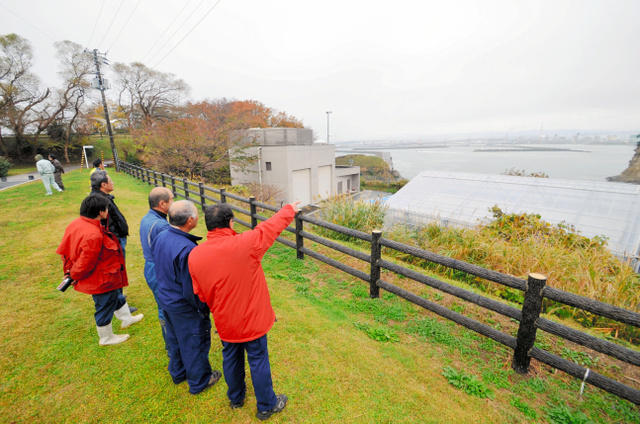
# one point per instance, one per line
(374, 290)
(531, 309)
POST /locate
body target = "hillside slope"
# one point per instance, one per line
(339, 356)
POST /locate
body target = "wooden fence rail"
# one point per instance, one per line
(534, 288)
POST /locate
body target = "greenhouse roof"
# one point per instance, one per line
(594, 208)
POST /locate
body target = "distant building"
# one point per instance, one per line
(594, 208)
(288, 159)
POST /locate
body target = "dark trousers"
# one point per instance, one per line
(188, 340)
(152, 282)
(123, 244)
(106, 304)
(233, 365)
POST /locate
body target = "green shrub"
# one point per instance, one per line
(561, 414)
(357, 215)
(380, 334)
(523, 407)
(518, 244)
(4, 166)
(467, 383)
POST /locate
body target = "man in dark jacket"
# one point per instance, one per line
(152, 224)
(102, 185)
(187, 321)
(93, 258)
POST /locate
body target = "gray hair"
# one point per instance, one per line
(97, 178)
(159, 194)
(181, 211)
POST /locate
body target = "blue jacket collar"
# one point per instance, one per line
(160, 214)
(191, 237)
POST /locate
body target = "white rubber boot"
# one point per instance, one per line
(108, 338)
(125, 317)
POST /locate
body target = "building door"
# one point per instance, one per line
(324, 182)
(301, 186)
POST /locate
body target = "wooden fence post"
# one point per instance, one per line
(223, 197)
(186, 188)
(148, 176)
(254, 211)
(202, 199)
(374, 276)
(173, 186)
(155, 178)
(531, 309)
(162, 179)
(299, 238)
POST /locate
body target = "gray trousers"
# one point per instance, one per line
(48, 181)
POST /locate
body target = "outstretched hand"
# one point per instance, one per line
(295, 206)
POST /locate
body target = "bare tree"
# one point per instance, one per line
(147, 94)
(20, 94)
(76, 68)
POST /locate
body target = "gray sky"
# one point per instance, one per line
(386, 69)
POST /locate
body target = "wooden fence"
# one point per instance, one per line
(534, 288)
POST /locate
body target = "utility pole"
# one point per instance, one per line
(101, 87)
(328, 114)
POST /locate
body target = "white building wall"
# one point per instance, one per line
(276, 165)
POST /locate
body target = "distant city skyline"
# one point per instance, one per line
(385, 70)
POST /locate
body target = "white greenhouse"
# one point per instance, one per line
(594, 208)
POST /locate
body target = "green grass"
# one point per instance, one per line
(467, 383)
(22, 169)
(338, 355)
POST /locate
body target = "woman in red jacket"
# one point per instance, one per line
(93, 258)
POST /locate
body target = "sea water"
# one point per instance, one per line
(576, 161)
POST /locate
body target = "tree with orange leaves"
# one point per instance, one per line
(196, 144)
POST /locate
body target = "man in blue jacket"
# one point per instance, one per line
(187, 321)
(152, 224)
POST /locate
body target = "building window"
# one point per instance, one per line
(340, 187)
(349, 185)
(268, 164)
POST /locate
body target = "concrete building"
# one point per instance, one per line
(288, 160)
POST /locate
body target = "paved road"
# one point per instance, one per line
(15, 180)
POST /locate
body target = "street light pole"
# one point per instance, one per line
(328, 114)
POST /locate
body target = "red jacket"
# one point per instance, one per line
(227, 274)
(92, 257)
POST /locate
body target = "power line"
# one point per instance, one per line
(187, 34)
(124, 25)
(111, 23)
(42, 31)
(177, 29)
(164, 32)
(95, 25)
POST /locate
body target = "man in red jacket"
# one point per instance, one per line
(93, 258)
(227, 274)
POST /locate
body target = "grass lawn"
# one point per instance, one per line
(21, 168)
(339, 356)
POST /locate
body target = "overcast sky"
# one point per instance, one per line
(386, 69)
